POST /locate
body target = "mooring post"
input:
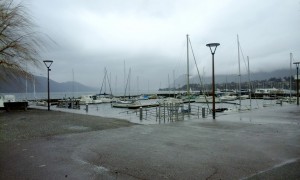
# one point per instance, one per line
(86, 107)
(141, 113)
(203, 112)
(172, 112)
(168, 110)
(156, 111)
(159, 112)
(72, 103)
(177, 109)
(182, 111)
(164, 111)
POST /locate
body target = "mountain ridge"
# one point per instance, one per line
(257, 76)
(18, 85)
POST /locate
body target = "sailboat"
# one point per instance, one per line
(104, 97)
(187, 98)
(240, 96)
(126, 102)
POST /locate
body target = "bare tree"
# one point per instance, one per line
(19, 44)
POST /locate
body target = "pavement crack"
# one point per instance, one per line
(214, 173)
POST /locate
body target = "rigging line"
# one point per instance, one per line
(179, 61)
(251, 84)
(243, 56)
(109, 81)
(128, 83)
(103, 81)
(200, 79)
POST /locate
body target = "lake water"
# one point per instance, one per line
(132, 115)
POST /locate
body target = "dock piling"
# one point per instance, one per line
(203, 112)
(87, 107)
(141, 113)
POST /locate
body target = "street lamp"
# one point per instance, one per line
(48, 64)
(297, 85)
(213, 45)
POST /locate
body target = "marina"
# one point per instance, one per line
(116, 90)
(152, 112)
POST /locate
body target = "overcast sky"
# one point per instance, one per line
(150, 37)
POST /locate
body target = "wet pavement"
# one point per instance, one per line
(259, 144)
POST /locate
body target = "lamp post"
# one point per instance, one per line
(213, 45)
(48, 64)
(297, 83)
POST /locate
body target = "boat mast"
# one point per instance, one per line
(291, 59)
(34, 87)
(249, 81)
(116, 82)
(73, 83)
(124, 80)
(129, 76)
(188, 79)
(125, 85)
(173, 83)
(26, 83)
(148, 87)
(137, 85)
(169, 86)
(239, 71)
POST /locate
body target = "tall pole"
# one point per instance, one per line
(48, 91)
(249, 81)
(48, 64)
(297, 81)
(240, 93)
(188, 72)
(291, 58)
(213, 85)
(213, 75)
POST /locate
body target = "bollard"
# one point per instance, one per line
(164, 111)
(203, 112)
(87, 107)
(156, 113)
(72, 104)
(141, 113)
(177, 109)
(159, 113)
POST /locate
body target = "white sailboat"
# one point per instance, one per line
(240, 96)
(104, 97)
(126, 102)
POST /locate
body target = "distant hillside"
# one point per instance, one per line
(19, 86)
(234, 77)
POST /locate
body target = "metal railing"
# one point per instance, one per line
(171, 112)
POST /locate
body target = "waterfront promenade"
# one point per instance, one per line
(258, 144)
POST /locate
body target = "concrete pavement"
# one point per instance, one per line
(260, 144)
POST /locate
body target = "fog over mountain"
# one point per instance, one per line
(233, 77)
(40, 83)
(19, 85)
